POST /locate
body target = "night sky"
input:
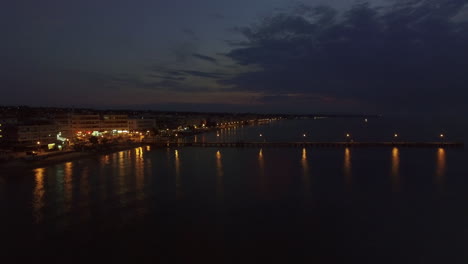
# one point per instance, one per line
(374, 57)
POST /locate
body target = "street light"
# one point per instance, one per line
(348, 137)
(261, 135)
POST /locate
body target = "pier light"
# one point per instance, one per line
(395, 135)
(304, 135)
(348, 135)
(261, 135)
(442, 135)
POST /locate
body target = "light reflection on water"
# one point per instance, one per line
(139, 171)
(101, 180)
(123, 165)
(395, 170)
(38, 195)
(441, 164)
(280, 179)
(68, 186)
(262, 176)
(179, 192)
(347, 167)
(305, 171)
(127, 172)
(219, 176)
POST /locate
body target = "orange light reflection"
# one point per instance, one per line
(38, 195)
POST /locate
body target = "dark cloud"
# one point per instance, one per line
(164, 82)
(172, 78)
(411, 56)
(183, 51)
(190, 33)
(165, 71)
(205, 58)
(180, 74)
(205, 74)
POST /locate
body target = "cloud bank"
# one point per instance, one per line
(409, 56)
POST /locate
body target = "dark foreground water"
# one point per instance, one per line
(272, 205)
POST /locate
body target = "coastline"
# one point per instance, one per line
(60, 158)
(57, 158)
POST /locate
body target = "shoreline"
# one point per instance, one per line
(57, 158)
(61, 158)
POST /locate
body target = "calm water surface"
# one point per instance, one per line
(227, 205)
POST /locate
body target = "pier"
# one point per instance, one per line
(311, 144)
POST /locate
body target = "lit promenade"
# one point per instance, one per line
(312, 144)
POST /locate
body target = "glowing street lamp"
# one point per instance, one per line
(261, 136)
(348, 137)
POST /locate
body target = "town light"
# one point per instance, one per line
(347, 135)
(38, 142)
(304, 135)
(261, 135)
(442, 135)
(395, 135)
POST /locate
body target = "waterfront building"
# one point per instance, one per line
(84, 123)
(141, 124)
(4, 122)
(64, 121)
(109, 123)
(31, 134)
(8, 120)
